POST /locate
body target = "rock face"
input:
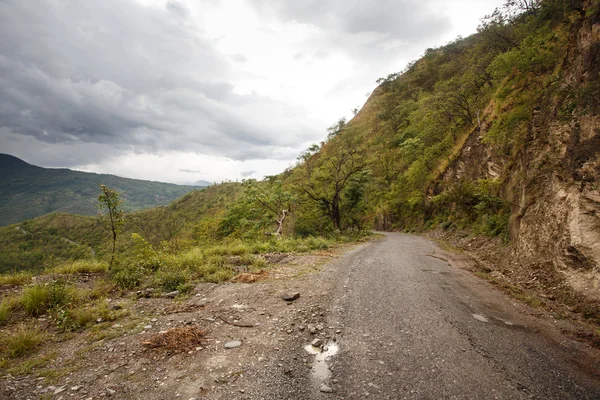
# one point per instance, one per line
(551, 181)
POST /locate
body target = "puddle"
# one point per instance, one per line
(480, 318)
(320, 369)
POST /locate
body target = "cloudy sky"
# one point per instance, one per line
(189, 90)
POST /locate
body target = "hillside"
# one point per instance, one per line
(491, 142)
(28, 191)
(44, 241)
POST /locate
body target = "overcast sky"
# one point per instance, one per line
(189, 90)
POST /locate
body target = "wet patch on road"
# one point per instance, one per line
(320, 368)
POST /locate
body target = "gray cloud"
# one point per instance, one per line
(407, 19)
(130, 77)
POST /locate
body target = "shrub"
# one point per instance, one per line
(22, 341)
(317, 243)
(79, 318)
(16, 278)
(185, 288)
(38, 299)
(80, 266)
(171, 279)
(7, 306)
(126, 277)
(219, 276)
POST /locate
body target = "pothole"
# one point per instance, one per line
(320, 369)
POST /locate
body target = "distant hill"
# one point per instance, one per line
(28, 191)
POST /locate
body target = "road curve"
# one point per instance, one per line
(414, 326)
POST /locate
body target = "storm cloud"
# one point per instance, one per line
(83, 81)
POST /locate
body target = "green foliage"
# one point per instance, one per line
(27, 191)
(126, 276)
(16, 278)
(477, 203)
(78, 267)
(170, 279)
(7, 306)
(69, 319)
(109, 200)
(22, 341)
(38, 299)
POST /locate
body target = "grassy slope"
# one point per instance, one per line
(28, 191)
(44, 241)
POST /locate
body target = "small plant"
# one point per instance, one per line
(109, 199)
(35, 300)
(16, 278)
(170, 279)
(185, 288)
(38, 299)
(22, 341)
(74, 319)
(7, 306)
(80, 266)
(126, 277)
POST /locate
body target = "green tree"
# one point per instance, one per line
(271, 196)
(109, 200)
(324, 176)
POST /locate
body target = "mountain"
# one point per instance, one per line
(491, 142)
(28, 191)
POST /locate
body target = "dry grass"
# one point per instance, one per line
(181, 339)
(16, 278)
(251, 278)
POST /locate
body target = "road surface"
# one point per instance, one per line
(416, 327)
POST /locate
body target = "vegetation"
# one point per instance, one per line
(109, 200)
(393, 166)
(28, 191)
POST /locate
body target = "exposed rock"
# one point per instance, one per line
(317, 342)
(325, 389)
(172, 294)
(290, 296)
(233, 344)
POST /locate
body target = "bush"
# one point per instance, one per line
(7, 306)
(16, 278)
(38, 299)
(126, 277)
(79, 318)
(80, 266)
(219, 276)
(171, 279)
(22, 341)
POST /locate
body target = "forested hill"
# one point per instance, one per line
(28, 191)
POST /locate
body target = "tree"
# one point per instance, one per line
(109, 200)
(271, 196)
(324, 176)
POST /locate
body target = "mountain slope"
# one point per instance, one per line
(41, 242)
(28, 191)
(496, 135)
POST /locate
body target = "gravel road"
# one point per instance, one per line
(416, 326)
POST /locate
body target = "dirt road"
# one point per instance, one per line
(417, 327)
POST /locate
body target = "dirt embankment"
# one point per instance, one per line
(552, 182)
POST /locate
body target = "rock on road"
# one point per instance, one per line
(417, 327)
